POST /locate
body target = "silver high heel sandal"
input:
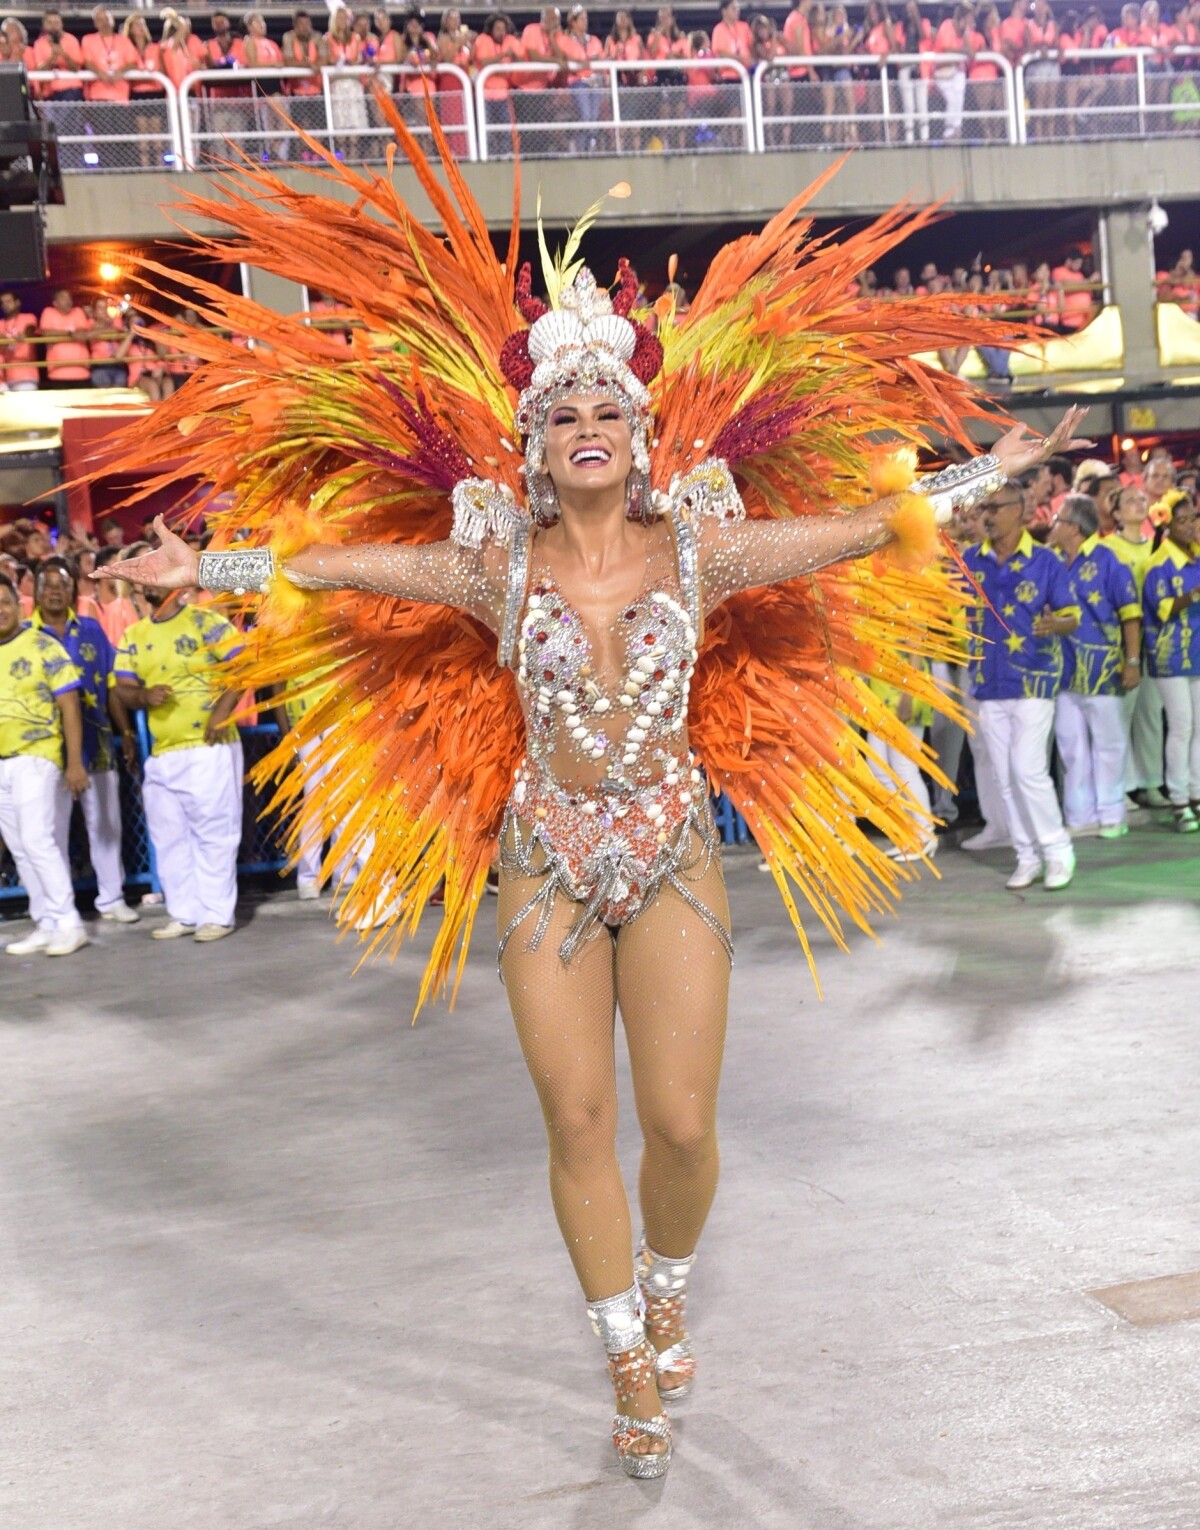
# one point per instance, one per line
(617, 1320)
(663, 1284)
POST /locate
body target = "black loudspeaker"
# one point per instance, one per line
(14, 94)
(22, 245)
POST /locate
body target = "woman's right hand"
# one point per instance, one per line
(172, 566)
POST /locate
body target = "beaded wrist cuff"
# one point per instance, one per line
(237, 572)
(962, 486)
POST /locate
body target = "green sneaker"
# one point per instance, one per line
(1114, 830)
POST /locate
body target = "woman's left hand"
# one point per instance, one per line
(1020, 449)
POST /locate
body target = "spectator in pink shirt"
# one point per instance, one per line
(731, 38)
(110, 56)
(14, 44)
(954, 36)
(18, 372)
(67, 356)
(58, 51)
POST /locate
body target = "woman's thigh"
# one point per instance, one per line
(564, 1011)
(673, 991)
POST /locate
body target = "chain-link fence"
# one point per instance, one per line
(139, 134)
(1094, 93)
(690, 107)
(675, 106)
(336, 106)
(261, 848)
(836, 101)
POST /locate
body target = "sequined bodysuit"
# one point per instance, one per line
(609, 804)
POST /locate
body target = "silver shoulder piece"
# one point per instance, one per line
(708, 489)
(963, 485)
(484, 510)
(237, 572)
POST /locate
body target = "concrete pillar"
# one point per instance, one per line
(274, 292)
(1128, 250)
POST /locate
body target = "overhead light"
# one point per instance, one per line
(109, 272)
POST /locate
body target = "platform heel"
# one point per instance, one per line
(617, 1322)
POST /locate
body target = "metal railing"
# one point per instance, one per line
(832, 101)
(261, 848)
(613, 113)
(139, 134)
(1088, 93)
(840, 101)
(344, 117)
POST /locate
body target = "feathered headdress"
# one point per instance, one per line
(779, 368)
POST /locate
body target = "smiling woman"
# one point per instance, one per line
(673, 574)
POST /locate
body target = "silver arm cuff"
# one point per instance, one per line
(237, 572)
(962, 486)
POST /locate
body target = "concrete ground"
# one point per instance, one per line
(269, 1257)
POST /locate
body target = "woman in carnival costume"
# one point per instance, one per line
(567, 576)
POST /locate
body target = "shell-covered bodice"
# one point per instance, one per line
(610, 704)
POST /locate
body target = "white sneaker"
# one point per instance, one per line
(28, 944)
(214, 931)
(1083, 830)
(987, 839)
(1026, 874)
(172, 930)
(67, 942)
(1059, 872)
(926, 853)
(307, 892)
(121, 913)
(381, 912)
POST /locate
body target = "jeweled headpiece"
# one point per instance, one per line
(587, 344)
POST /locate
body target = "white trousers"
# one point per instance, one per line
(308, 862)
(1142, 709)
(1017, 735)
(914, 101)
(1181, 702)
(987, 783)
(29, 791)
(946, 738)
(1091, 744)
(193, 801)
(906, 770)
(101, 805)
(954, 93)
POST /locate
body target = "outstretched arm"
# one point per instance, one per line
(742, 555)
(438, 573)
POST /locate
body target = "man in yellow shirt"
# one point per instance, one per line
(169, 664)
(40, 724)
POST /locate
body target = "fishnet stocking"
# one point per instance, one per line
(671, 977)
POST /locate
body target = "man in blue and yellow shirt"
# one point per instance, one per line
(1169, 598)
(41, 757)
(1104, 660)
(84, 639)
(1016, 671)
(170, 664)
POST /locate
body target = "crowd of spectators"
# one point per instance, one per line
(1085, 638)
(97, 343)
(945, 53)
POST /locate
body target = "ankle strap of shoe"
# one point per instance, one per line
(660, 1275)
(617, 1320)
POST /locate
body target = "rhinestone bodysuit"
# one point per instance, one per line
(609, 805)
